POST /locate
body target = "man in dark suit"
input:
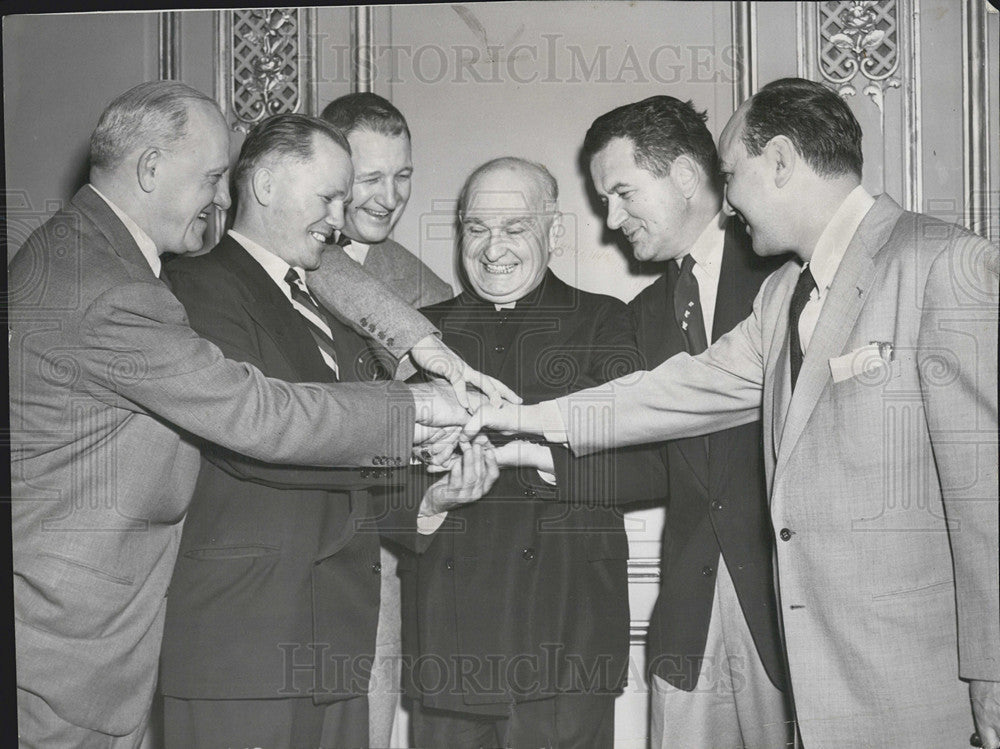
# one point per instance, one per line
(271, 617)
(715, 660)
(516, 616)
(383, 168)
(107, 384)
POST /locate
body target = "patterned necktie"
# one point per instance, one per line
(803, 289)
(687, 308)
(314, 317)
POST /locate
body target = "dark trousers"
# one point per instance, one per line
(566, 721)
(294, 723)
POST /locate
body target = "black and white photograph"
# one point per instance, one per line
(503, 375)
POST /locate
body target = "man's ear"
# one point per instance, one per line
(149, 162)
(555, 230)
(262, 184)
(685, 175)
(783, 158)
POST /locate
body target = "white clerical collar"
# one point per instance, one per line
(508, 305)
(707, 248)
(146, 245)
(833, 242)
(273, 265)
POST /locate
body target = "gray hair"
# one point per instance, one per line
(548, 188)
(152, 113)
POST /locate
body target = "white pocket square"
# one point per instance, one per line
(866, 361)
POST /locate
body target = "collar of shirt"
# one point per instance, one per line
(833, 242)
(273, 265)
(508, 305)
(707, 248)
(357, 251)
(146, 245)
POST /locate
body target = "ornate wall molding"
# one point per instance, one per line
(363, 47)
(266, 63)
(975, 151)
(169, 51)
(874, 45)
(744, 25)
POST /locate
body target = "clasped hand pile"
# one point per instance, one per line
(452, 416)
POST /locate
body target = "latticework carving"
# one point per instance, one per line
(266, 73)
(858, 36)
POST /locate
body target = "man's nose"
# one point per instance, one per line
(616, 213)
(222, 198)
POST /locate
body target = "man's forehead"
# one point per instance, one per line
(508, 194)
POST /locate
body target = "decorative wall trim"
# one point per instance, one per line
(644, 571)
(913, 160)
(169, 52)
(363, 46)
(744, 25)
(638, 632)
(265, 57)
(975, 154)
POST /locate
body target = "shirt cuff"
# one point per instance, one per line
(548, 478)
(427, 524)
(553, 427)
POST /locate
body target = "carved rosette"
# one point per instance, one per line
(859, 38)
(267, 77)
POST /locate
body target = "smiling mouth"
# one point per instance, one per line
(378, 215)
(320, 237)
(500, 269)
(203, 215)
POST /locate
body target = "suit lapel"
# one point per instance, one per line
(275, 316)
(847, 296)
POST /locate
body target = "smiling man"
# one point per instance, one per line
(714, 649)
(516, 616)
(874, 365)
(383, 169)
(108, 386)
(274, 566)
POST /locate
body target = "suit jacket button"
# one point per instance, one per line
(449, 564)
(377, 568)
(716, 505)
(390, 341)
(784, 534)
(528, 554)
(499, 348)
(707, 571)
(530, 493)
(363, 321)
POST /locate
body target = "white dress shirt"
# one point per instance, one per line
(277, 269)
(146, 245)
(829, 251)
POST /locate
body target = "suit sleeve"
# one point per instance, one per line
(139, 352)
(683, 397)
(957, 364)
(216, 313)
(366, 304)
(618, 476)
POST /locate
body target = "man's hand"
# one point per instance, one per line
(524, 454)
(514, 419)
(438, 422)
(470, 478)
(985, 697)
(434, 357)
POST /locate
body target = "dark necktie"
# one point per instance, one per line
(343, 240)
(305, 300)
(687, 308)
(803, 290)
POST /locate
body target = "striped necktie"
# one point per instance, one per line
(314, 317)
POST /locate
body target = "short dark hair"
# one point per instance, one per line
(661, 128)
(818, 122)
(365, 111)
(285, 135)
(152, 113)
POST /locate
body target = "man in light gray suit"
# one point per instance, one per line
(383, 169)
(107, 381)
(875, 363)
